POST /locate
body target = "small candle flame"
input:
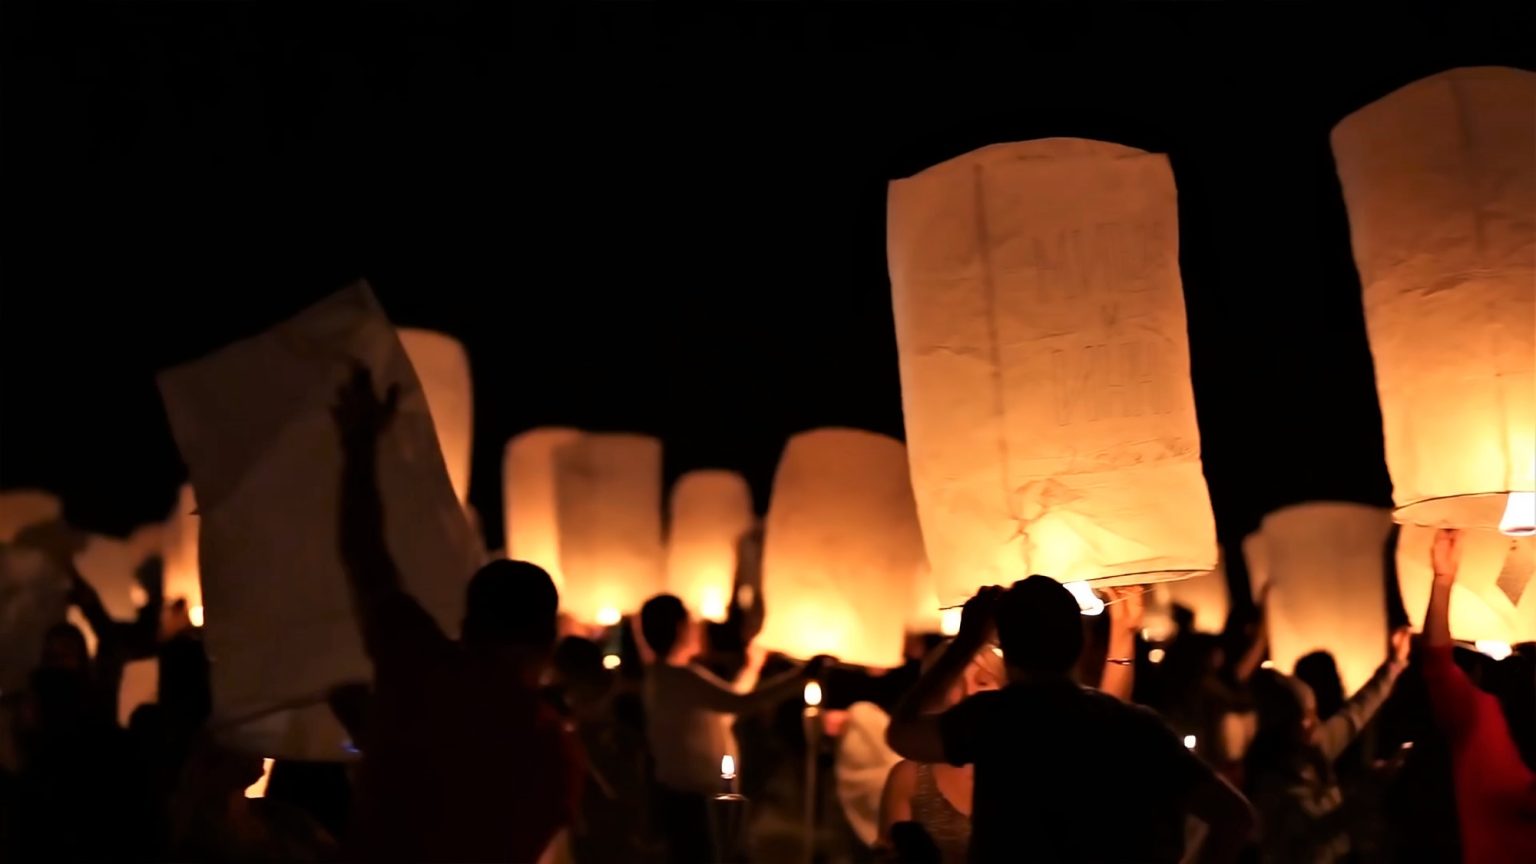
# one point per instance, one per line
(1156, 655)
(1189, 742)
(727, 767)
(612, 661)
(949, 621)
(608, 616)
(195, 615)
(812, 693)
(1088, 602)
(1495, 649)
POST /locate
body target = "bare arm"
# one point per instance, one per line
(1258, 646)
(1340, 730)
(916, 734)
(1445, 558)
(1125, 615)
(83, 595)
(702, 689)
(1451, 693)
(896, 800)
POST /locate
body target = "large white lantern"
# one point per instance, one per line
(841, 548)
(1326, 562)
(442, 367)
(1494, 598)
(1045, 367)
(254, 424)
(1440, 180)
(608, 507)
(528, 498)
(708, 513)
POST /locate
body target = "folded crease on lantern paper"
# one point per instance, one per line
(254, 426)
(1045, 367)
(1440, 182)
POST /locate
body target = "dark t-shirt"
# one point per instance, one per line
(1069, 774)
(460, 763)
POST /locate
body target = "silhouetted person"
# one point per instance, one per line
(464, 760)
(1291, 764)
(1319, 671)
(688, 721)
(1045, 747)
(1495, 787)
(120, 642)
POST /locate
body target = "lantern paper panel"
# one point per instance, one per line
(442, 368)
(254, 425)
(1440, 181)
(183, 579)
(1326, 563)
(1045, 367)
(927, 613)
(708, 513)
(528, 498)
(24, 508)
(1256, 557)
(841, 549)
(1494, 597)
(608, 506)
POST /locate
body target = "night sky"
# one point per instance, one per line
(668, 221)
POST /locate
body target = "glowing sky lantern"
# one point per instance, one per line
(1045, 367)
(841, 548)
(255, 427)
(182, 577)
(608, 508)
(1494, 598)
(1326, 563)
(442, 367)
(22, 508)
(528, 497)
(708, 512)
(1206, 595)
(1440, 180)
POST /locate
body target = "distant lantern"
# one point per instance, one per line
(528, 498)
(708, 513)
(1256, 559)
(1494, 599)
(1045, 367)
(23, 508)
(841, 548)
(183, 580)
(1326, 563)
(608, 506)
(442, 367)
(1440, 181)
(1206, 596)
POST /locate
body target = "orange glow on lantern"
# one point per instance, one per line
(708, 513)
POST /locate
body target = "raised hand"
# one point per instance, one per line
(1445, 554)
(977, 618)
(1127, 607)
(360, 415)
(1402, 644)
(151, 575)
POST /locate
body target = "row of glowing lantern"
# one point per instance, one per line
(1049, 414)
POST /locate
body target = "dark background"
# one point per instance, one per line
(662, 220)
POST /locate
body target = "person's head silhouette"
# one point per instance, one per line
(1039, 628)
(64, 647)
(510, 605)
(667, 630)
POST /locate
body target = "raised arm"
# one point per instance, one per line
(82, 594)
(141, 638)
(1451, 693)
(1258, 644)
(916, 734)
(702, 689)
(1338, 731)
(1126, 607)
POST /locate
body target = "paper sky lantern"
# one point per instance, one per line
(23, 508)
(1256, 557)
(1494, 598)
(709, 511)
(841, 548)
(254, 425)
(528, 498)
(927, 613)
(608, 506)
(1326, 563)
(1045, 367)
(442, 367)
(1440, 180)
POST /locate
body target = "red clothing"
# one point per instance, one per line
(460, 763)
(1495, 791)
